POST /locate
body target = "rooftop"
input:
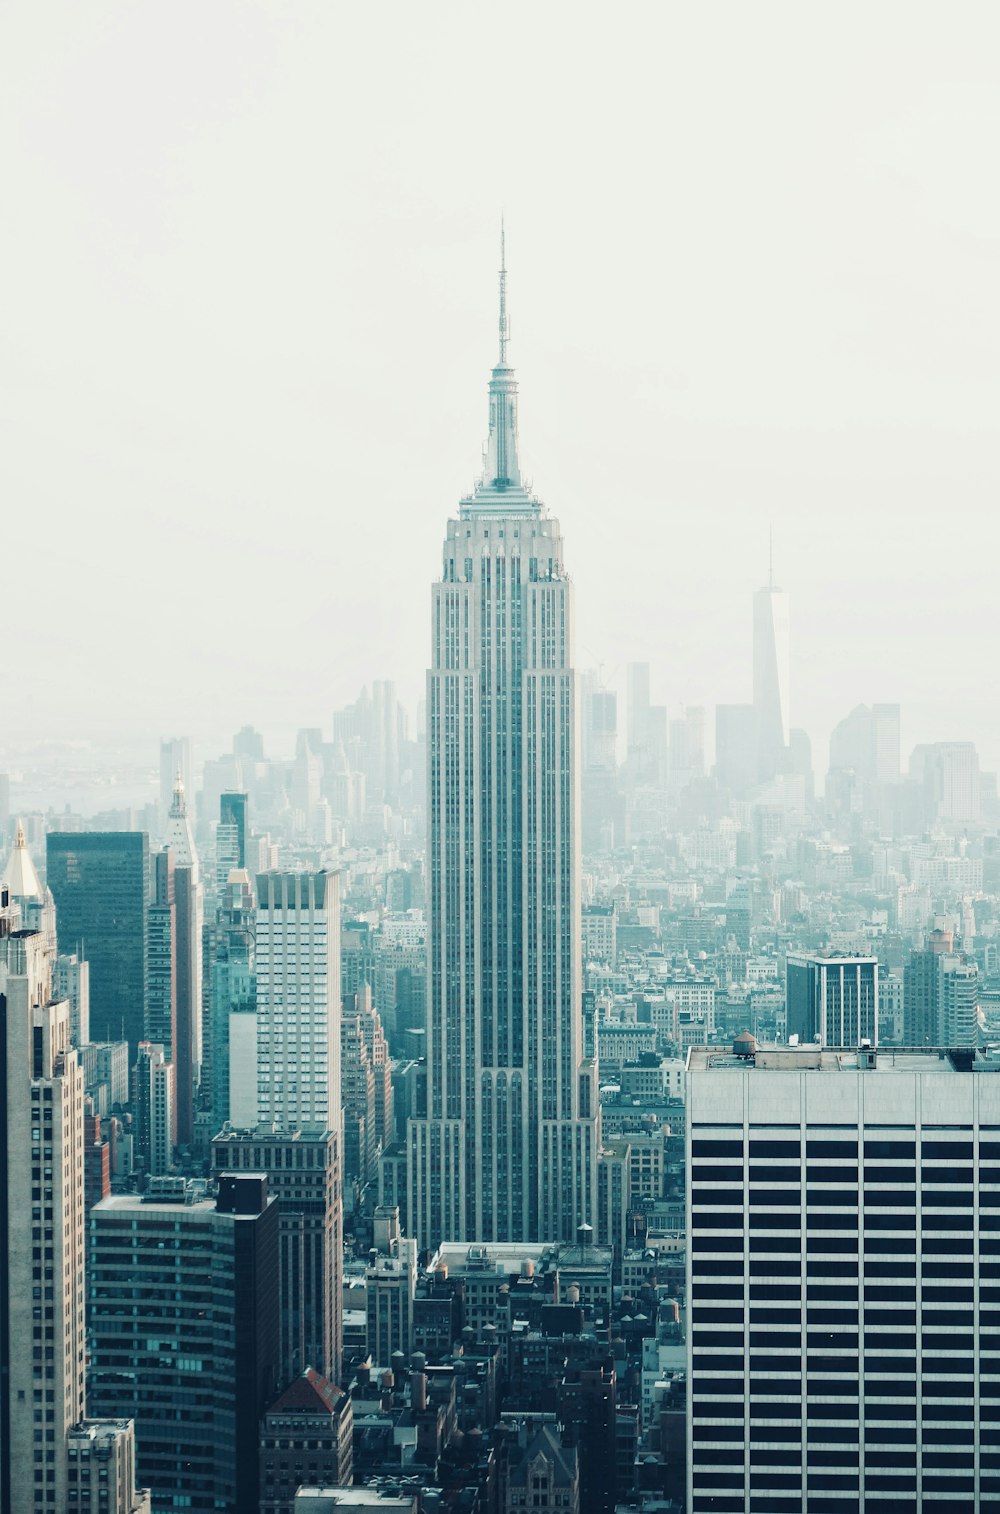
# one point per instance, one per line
(842, 1059)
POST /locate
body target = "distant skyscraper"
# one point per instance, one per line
(100, 882)
(735, 746)
(230, 836)
(509, 1147)
(599, 726)
(832, 998)
(189, 911)
(866, 742)
(233, 998)
(637, 708)
(771, 677)
(175, 762)
(298, 1000)
(161, 988)
(941, 996)
(952, 784)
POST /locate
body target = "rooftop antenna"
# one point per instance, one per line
(504, 327)
(770, 557)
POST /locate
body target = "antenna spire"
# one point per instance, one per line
(770, 557)
(504, 328)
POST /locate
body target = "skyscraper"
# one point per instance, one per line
(508, 1148)
(41, 1231)
(189, 912)
(232, 993)
(43, 1433)
(298, 1000)
(771, 676)
(100, 882)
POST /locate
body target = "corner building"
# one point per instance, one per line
(507, 1149)
(844, 1282)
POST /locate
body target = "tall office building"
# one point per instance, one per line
(101, 885)
(154, 1105)
(941, 996)
(184, 1333)
(232, 991)
(832, 998)
(948, 772)
(771, 678)
(42, 1338)
(599, 726)
(189, 919)
(844, 1342)
(508, 1148)
(735, 746)
(71, 981)
(867, 742)
(637, 709)
(42, 1325)
(161, 968)
(303, 1174)
(298, 1000)
(230, 837)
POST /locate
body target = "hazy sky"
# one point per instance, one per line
(249, 268)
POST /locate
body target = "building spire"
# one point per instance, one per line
(504, 327)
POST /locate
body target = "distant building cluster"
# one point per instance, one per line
(520, 1110)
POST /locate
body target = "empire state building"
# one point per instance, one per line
(507, 1147)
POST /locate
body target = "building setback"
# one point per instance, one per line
(508, 1147)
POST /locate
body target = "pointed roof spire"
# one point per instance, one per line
(504, 326)
(19, 873)
(180, 837)
(178, 805)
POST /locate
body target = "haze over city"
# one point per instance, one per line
(499, 807)
(251, 260)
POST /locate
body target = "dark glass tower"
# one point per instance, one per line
(100, 883)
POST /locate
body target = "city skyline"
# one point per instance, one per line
(755, 362)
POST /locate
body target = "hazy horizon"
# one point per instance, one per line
(251, 255)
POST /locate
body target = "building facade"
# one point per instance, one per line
(508, 1148)
(298, 1000)
(101, 885)
(844, 1342)
(185, 1335)
(303, 1173)
(42, 1278)
(832, 998)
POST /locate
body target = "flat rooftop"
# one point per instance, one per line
(842, 1059)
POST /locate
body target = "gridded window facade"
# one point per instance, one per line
(844, 1290)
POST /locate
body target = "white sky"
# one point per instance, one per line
(249, 258)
